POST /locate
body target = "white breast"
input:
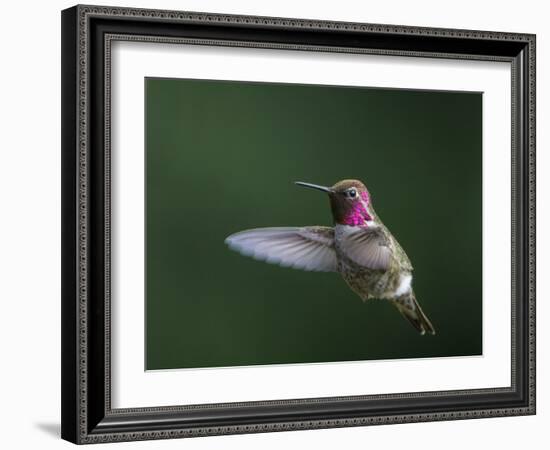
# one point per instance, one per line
(404, 285)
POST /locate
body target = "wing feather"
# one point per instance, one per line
(368, 247)
(305, 248)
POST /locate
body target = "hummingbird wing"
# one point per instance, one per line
(306, 248)
(367, 246)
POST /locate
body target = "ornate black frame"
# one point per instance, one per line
(87, 32)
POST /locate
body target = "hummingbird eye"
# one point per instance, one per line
(352, 193)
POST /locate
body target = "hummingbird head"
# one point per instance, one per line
(349, 201)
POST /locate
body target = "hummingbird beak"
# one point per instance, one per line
(314, 186)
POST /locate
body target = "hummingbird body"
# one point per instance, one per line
(369, 283)
(359, 247)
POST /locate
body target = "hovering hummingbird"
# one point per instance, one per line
(359, 247)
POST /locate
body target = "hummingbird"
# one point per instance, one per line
(359, 247)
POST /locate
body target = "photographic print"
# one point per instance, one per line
(256, 209)
(294, 223)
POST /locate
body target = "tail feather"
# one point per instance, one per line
(408, 306)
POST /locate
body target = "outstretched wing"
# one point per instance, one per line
(368, 246)
(306, 248)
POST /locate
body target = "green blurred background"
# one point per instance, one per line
(222, 157)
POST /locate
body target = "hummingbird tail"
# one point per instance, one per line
(408, 306)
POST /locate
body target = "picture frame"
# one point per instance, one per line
(88, 415)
